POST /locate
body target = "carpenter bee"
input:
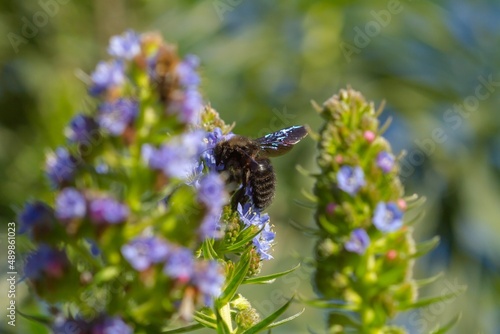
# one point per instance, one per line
(247, 166)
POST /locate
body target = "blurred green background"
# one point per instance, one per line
(435, 63)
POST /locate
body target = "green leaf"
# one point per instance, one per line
(311, 197)
(208, 249)
(431, 300)
(414, 201)
(426, 281)
(235, 280)
(269, 278)
(448, 326)
(205, 320)
(44, 320)
(246, 236)
(425, 247)
(184, 329)
(415, 219)
(264, 324)
(284, 321)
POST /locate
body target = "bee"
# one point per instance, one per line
(247, 166)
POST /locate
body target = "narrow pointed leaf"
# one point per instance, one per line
(36, 318)
(448, 326)
(184, 329)
(245, 239)
(309, 196)
(426, 246)
(339, 305)
(235, 280)
(264, 324)
(416, 218)
(269, 278)
(284, 321)
(205, 320)
(431, 300)
(208, 250)
(426, 281)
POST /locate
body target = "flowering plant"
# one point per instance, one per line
(139, 235)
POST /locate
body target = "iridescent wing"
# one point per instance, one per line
(281, 141)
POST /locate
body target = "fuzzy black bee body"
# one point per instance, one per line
(246, 163)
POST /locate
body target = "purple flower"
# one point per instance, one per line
(114, 325)
(187, 106)
(60, 167)
(210, 227)
(350, 179)
(264, 241)
(62, 325)
(45, 261)
(179, 157)
(180, 264)
(105, 76)
(186, 70)
(115, 116)
(70, 204)
(125, 46)
(81, 129)
(108, 210)
(36, 218)
(387, 217)
(358, 242)
(209, 279)
(211, 191)
(142, 252)
(385, 161)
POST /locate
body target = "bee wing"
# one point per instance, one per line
(280, 142)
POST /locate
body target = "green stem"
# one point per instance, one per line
(225, 313)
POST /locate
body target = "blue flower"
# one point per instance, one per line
(81, 129)
(385, 161)
(186, 70)
(210, 227)
(114, 325)
(60, 167)
(36, 218)
(142, 252)
(211, 191)
(108, 210)
(350, 179)
(45, 261)
(126, 46)
(180, 264)
(105, 76)
(209, 279)
(264, 241)
(387, 217)
(187, 106)
(116, 116)
(70, 204)
(358, 242)
(179, 157)
(62, 325)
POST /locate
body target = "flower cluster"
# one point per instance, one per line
(138, 202)
(360, 215)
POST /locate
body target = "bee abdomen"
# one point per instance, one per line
(263, 183)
